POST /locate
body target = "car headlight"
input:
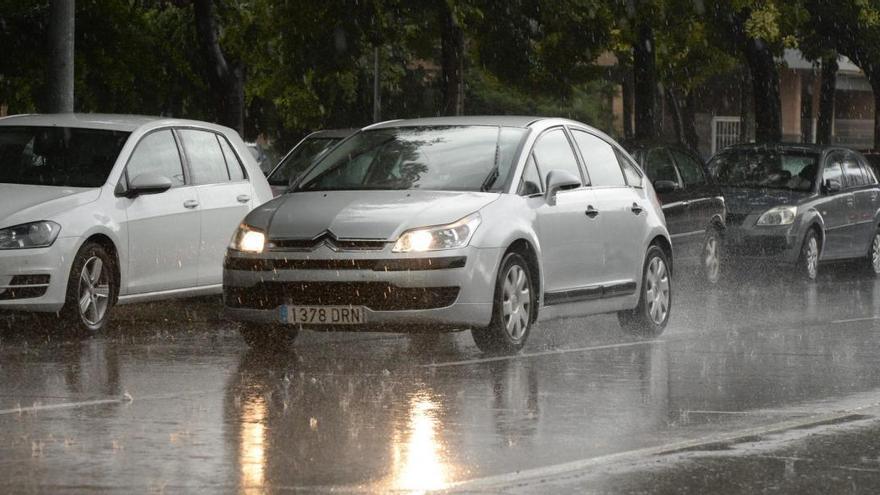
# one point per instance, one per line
(780, 215)
(248, 240)
(452, 236)
(29, 235)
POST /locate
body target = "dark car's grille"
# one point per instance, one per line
(736, 219)
(378, 296)
(757, 246)
(392, 265)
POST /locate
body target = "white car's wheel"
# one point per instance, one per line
(91, 289)
(513, 311)
(650, 317)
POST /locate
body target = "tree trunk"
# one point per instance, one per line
(825, 118)
(874, 78)
(59, 96)
(644, 82)
(674, 102)
(683, 118)
(746, 108)
(451, 61)
(765, 91)
(627, 95)
(226, 79)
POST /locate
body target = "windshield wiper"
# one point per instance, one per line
(496, 169)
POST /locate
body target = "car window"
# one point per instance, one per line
(157, 153)
(233, 164)
(855, 176)
(205, 157)
(630, 171)
(553, 152)
(601, 160)
(870, 174)
(531, 182)
(659, 166)
(690, 169)
(833, 170)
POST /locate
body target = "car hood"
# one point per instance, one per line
(24, 203)
(363, 214)
(740, 200)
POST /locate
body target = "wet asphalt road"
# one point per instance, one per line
(761, 384)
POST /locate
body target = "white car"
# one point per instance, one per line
(99, 209)
(486, 223)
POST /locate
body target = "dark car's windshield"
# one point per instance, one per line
(300, 158)
(766, 169)
(58, 156)
(450, 158)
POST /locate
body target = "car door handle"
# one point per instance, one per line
(591, 212)
(243, 198)
(191, 204)
(637, 208)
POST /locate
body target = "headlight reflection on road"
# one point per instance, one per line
(252, 453)
(419, 463)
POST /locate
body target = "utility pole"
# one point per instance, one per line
(59, 98)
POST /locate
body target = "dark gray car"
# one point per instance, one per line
(799, 204)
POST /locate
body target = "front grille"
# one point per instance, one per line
(757, 246)
(335, 244)
(393, 265)
(378, 296)
(736, 219)
(25, 287)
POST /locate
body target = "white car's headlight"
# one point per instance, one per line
(453, 236)
(248, 240)
(29, 235)
(780, 215)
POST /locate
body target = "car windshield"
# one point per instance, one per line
(794, 170)
(448, 158)
(300, 158)
(58, 156)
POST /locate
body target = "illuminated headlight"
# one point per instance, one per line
(248, 240)
(781, 215)
(29, 235)
(453, 236)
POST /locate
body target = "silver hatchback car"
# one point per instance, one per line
(482, 223)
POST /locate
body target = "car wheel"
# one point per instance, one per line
(91, 290)
(266, 337)
(513, 310)
(711, 256)
(808, 263)
(874, 254)
(649, 318)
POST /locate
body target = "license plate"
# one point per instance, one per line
(323, 315)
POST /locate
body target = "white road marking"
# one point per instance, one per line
(123, 399)
(539, 354)
(536, 474)
(853, 320)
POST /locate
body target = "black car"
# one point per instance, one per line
(692, 203)
(800, 204)
(298, 159)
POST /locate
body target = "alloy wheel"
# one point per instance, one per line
(657, 290)
(811, 257)
(516, 302)
(712, 259)
(94, 291)
(875, 253)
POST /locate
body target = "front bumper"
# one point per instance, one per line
(443, 289)
(773, 244)
(23, 272)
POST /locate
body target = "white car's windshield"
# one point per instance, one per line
(448, 158)
(765, 169)
(58, 156)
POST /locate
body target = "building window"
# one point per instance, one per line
(725, 132)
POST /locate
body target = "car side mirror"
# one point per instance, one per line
(560, 180)
(148, 184)
(832, 186)
(665, 186)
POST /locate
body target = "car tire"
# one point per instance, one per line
(267, 337)
(650, 316)
(512, 311)
(874, 254)
(711, 256)
(92, 290)
(808, 261)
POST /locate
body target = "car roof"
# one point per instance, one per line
(809, 147)
(113, 122)
(493, 120)
(332, 134)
